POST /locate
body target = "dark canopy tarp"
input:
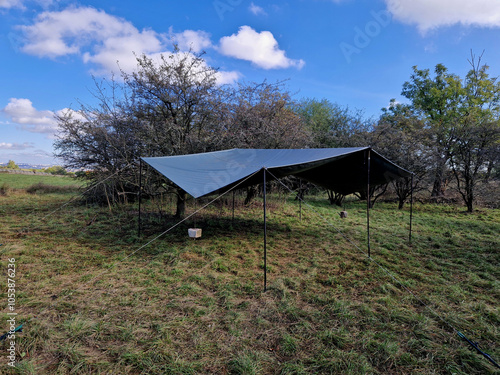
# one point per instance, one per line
(343, 170)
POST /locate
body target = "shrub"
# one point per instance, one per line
(56, 170)
(4, 189)
(41, 188)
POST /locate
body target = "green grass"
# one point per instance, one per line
(23, 181)
(93, 304)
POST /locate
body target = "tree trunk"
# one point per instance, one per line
(438, 187)
(470, 194)
(469, 205)
(403, 189)
(251, 193)
(181, 204)
(491, 164)
(362, 195)
(335, 198)
(401, 203)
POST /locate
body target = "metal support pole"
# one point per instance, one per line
(368, 200)
(140, 198)
(194, 216)
(411, 207)
(233, 209)
(300, 200)
(265, 234)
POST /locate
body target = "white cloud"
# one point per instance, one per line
(259, 48)
(105, 41)
(227, 77)
(7, 4)
(22, 112)
(97, 36)
(16, 146)
(119, 51)
(197, 41)
(222, 77)
(257, 10)
(431, 14)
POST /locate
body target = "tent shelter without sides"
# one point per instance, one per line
(343, 170)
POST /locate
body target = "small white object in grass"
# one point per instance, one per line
(194, 232)
(343, 214)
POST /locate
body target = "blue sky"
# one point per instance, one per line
(357, 53)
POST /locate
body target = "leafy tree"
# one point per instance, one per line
(401, 136)
(475, 141)
(332, 125)
(12, 165)
(56, 169)
(437, 100)
(463, 120)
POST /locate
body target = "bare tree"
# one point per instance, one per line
(171, 105)
(473, 146)
(168, 106)
(262, 116)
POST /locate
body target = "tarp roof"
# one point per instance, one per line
(343, 170)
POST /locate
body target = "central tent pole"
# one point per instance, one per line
(140, 198)
(233, 209)
(368, 200)
(411, 206)
(300, 199)
(265, 233)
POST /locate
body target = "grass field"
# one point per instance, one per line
(97, 299)
(22, 181)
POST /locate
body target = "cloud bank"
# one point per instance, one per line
(16, 146)
(96, 36)
(21, 112)
(431, 14)
(7, 4)
(196, 41)
(106, 41)
(109, 43)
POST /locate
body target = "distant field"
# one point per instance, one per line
(95, 298)
(22, 181)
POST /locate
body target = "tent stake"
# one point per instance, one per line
(411, 207)
(368, 201)
(140, 198)
(265, 233)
